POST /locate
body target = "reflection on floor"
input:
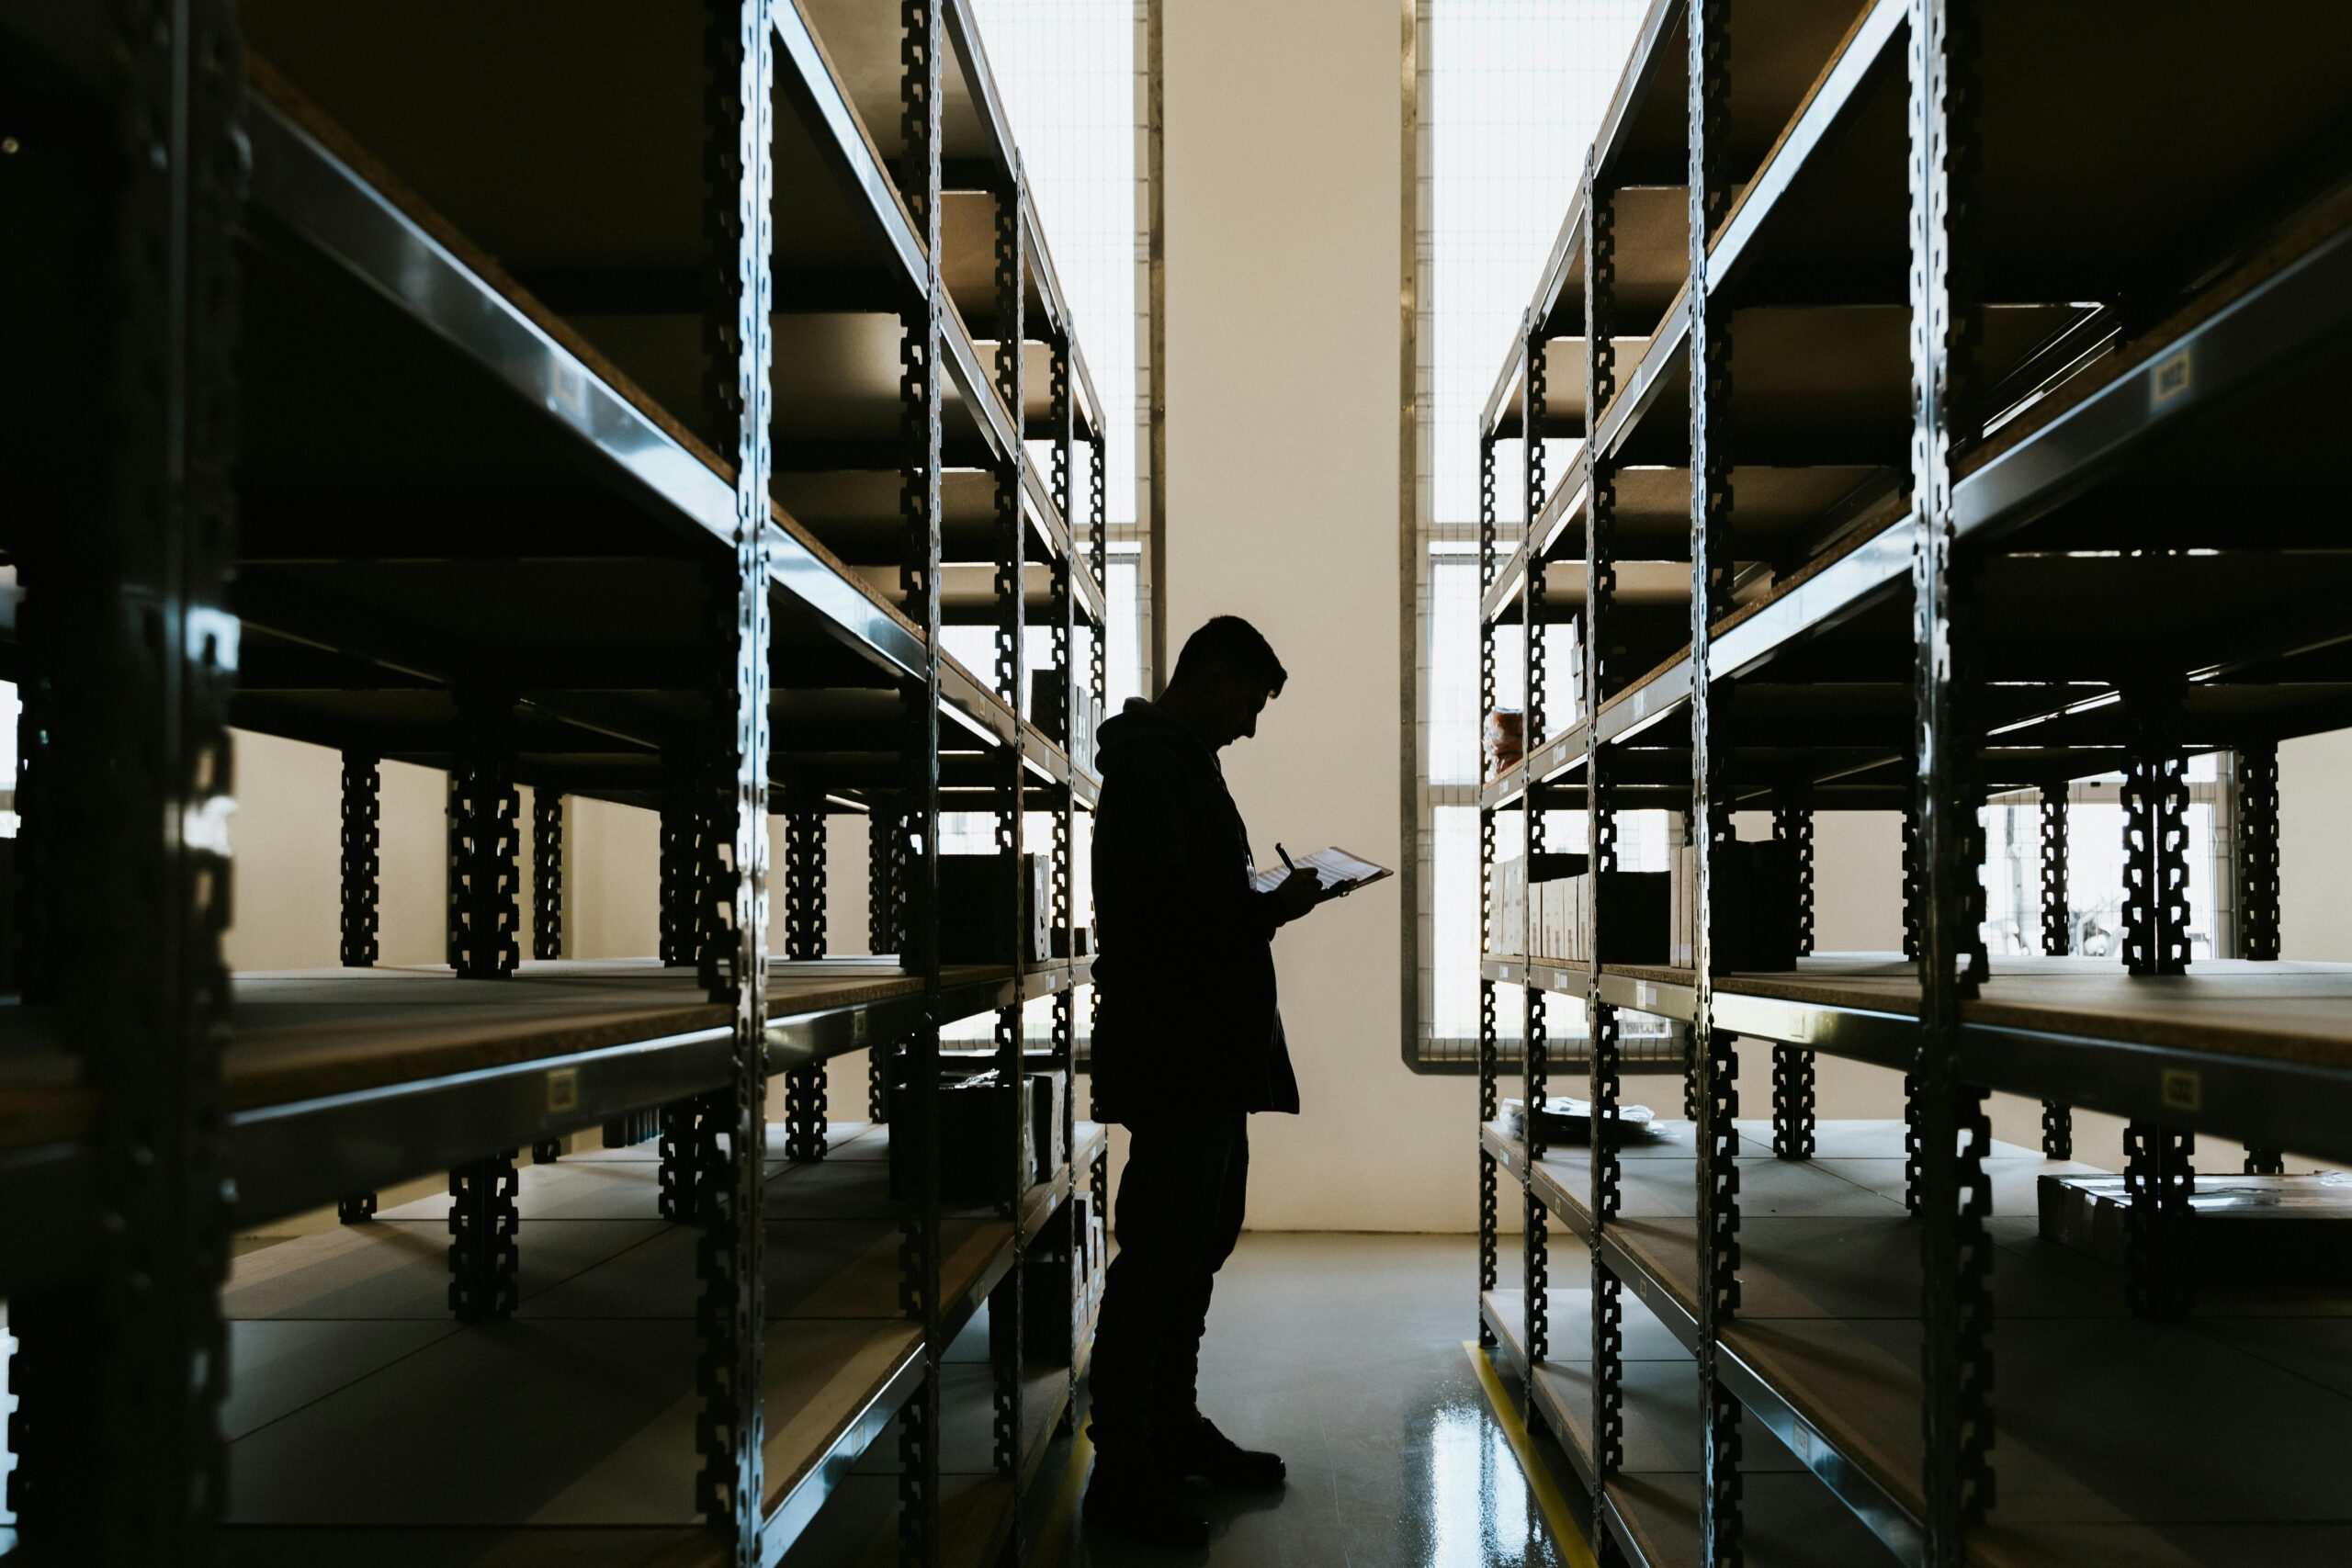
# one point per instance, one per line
(1344, 1354)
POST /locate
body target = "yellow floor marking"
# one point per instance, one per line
(1539, 1474)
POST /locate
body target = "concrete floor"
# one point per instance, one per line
(1344, 1354)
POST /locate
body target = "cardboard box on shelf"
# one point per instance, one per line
(978, 919)
(1755, 906)
(977, 1115)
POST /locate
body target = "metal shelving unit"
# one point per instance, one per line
(1944, 394)
(620, 413)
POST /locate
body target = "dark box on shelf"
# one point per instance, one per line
(1756, 906)
(980, 922)
(1046, 1126)
(2253, 1230)
(977, 1116)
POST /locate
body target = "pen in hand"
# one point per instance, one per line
(1287, 861)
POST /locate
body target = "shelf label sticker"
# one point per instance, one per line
(2183, 1089)
(859, 1024)
(2171, 378)
(1645, 996)
(563, 1090)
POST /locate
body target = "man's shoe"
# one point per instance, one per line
(1143, 1509)
(1209, 1455)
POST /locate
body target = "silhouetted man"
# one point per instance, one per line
(1187, 1044)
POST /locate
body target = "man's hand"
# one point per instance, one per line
(1296, 894)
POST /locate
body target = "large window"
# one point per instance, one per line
(1068, 72)
(1509, 92)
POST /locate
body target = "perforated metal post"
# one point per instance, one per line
(2255, 777)
(2057, 941)
(1915, 916)
(2156, 864)
(484, 1257)
(1792, 1073)
(1098, 1176)
(732, 957)
(1712, 562)
(1535, 1039)
(1489, 1022)
(923, 45)
(684, 821)
(1010, 561)
(485, 838)
(1605, 1052)
(1062, 615)
(2159, 1178)
(547, 873)
(1955, 1134)
(362, 839)
(804, 941)
(681, 856)
(886, 853)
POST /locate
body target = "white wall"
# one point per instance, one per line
(1284, 199)
(285, 873)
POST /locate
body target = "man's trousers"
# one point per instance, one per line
(1179, 1206)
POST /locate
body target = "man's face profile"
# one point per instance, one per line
(1237, 700)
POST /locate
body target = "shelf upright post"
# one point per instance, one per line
(2057, 939)
(486, 822)
(1011, 633)
(1713, 561)
(2254, 777)
(546, 906)
(886, 865)
(2159, 1172)
(121, 1375)
(1534, 1039)
(1098, 542)
(2155, 836)
(1955, 1193)
(362, 840)
(485, 812)
(1915, 899)
(804, 941)
(1792, 1082)
(730, 1317)
(1064, 911)
(682, 857)
(921, 50)
(1602, 1052)
(547, 873)
(686, 851)
(1489, 1022)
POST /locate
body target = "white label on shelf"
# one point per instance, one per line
(2183, 1089)
(2172, 378)
(1644, 995)
(859, 1023)
(568, 390)
(563, 1090)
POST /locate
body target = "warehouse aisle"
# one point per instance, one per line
(1344, 1354)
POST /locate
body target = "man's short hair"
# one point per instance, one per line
(1233, 645)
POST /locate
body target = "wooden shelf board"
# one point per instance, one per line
(578, 1413)
(2094, 1408)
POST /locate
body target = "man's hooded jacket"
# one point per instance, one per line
(1185, 964)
